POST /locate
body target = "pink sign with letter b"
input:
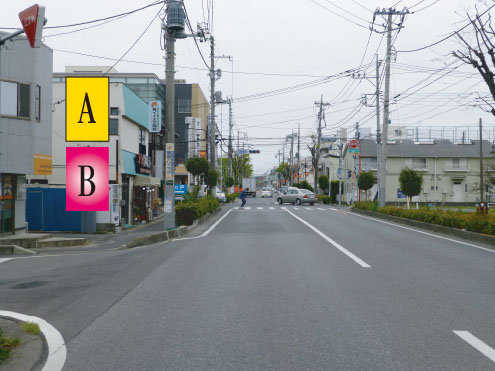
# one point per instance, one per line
(87, 178)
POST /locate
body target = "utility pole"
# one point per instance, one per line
(382, 172)
(212, 103)
(230, 137)
(298, 151)
(321, 116)
(169, 220)
(378, 135)
(340, 146)
(292, 158)
(481, 163)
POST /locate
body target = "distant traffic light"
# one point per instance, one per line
(254, 151)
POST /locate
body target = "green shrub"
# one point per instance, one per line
(188, 211)
(6, 346)
(454, 219)
(324, 199)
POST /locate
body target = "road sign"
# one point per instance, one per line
(353, 143)
(180, 189)
(33, 19)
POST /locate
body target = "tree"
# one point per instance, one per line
(410, 183)
(241, 168)
(479, 52)
(314, 150)
(197, 166)
(324, 183)
(211, 178)
(366, 180)
(283, 170)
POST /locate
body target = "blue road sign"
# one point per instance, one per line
(180, 189)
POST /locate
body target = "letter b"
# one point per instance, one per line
(91, 175)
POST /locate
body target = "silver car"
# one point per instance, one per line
(297, 196)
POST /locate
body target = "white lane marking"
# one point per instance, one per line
(283, 208)
(57, 353)
(296, 208)
(308, 208)
(248, 207)
(3, 260)
(337, 245)
(272, 208)
(331, 208)
(418, 231)
(319, 208)
(205, 233)
(259, 208)
(477, 344)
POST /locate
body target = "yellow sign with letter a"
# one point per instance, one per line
(86, 109)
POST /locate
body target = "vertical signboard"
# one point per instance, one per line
(155, 116)
(87, 179)
(170, 162)
(86, 109)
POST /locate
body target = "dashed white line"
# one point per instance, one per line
(477, 344)
(331, 208)
(57, 353)
(334, 243)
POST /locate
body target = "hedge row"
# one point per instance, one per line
(231, 197)
(188, 211)
(324, 199)
(454, 219)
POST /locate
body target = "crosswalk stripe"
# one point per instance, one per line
(296, 208)
(320, 208)
(248, 207)
(272, 208)
(308, 208)
(332, 209)
(259, 208)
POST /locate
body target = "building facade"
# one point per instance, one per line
(451, 171)
(25, 125)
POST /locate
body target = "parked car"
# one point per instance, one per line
(297, 196)
(220, 195)
(266, 192)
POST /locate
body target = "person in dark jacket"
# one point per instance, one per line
(242, 196)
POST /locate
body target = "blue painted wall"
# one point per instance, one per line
(135, 108)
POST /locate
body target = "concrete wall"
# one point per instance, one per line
(21, 138)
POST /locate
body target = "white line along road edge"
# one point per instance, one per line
(477, 344)
(3, 260)
(422, 232)
(337, 245)
(205, 233)
(57, 353)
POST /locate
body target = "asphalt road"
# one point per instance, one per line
(269, 288)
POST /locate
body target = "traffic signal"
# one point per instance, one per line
(254, 151)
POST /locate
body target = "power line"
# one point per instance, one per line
(339, 15)
(137, 40)
(97, 20)
(445, 38)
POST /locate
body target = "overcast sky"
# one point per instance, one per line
(278, 44)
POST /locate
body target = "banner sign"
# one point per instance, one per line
(155, 116)
(170, 161)
(143, 164)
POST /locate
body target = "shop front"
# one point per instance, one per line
(7, 203)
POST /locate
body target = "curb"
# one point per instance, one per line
(466, 235)
(15, 250)
(167, 235)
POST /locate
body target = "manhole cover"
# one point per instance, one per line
(28, 285)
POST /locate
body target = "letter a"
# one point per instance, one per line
(91, 175)
(89, 111)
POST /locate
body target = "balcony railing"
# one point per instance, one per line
(455, 167)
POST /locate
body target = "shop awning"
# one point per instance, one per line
(146, 181)
(129, 160)
(180, 170)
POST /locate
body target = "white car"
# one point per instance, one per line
(266, 192)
